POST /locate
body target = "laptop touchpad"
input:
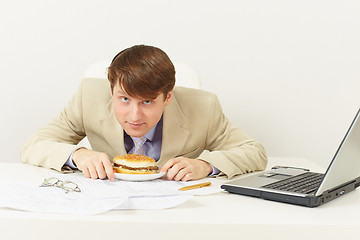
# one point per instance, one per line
(276, 176)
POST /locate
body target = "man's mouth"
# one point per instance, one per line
(135, 125)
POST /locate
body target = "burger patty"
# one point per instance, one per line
(151, 168)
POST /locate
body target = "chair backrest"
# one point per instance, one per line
(186, 76)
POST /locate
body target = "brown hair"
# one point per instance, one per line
(142, 71)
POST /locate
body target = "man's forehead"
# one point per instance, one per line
(119, 90)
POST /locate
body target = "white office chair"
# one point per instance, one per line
(185, 76)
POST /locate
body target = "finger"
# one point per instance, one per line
(86, 173)
(168, 164)
(182, 173)
(92, 171)
(109, 170)
(100, 170)
(187, 177)
(174, 170)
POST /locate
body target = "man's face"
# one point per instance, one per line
(138, 116)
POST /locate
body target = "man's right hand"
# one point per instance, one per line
(93, 164)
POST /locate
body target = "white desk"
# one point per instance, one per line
(220, 215)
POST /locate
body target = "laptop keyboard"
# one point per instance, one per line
(304, 183)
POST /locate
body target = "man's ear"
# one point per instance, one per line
(168, 97)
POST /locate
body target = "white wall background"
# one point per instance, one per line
(286, 71)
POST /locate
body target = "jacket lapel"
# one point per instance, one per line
(174, 134)
(113, 132)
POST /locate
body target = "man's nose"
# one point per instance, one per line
(135, 112)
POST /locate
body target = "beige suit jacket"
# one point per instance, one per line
(192, 122)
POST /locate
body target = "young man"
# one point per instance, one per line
(140, 100)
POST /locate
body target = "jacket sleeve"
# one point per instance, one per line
(52, 145)
(230, 149)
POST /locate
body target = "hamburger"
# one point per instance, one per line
(134, 164)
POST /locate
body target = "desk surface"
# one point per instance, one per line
(204, 217)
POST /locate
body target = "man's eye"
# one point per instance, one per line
(147, 102)
(124, 99)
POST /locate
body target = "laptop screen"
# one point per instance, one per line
(345, 165)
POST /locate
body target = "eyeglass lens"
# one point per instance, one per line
(68, 186)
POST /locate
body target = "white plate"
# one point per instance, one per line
(138, 177)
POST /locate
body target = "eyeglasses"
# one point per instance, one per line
(68, 186)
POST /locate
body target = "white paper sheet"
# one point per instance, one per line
(32, 198)
(97, 196)
(158, 187)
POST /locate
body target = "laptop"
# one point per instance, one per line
(302, 187)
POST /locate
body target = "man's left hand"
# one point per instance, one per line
(186, 169)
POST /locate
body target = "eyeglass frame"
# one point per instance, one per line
(60, 184)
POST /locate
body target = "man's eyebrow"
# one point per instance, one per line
(119, 92)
